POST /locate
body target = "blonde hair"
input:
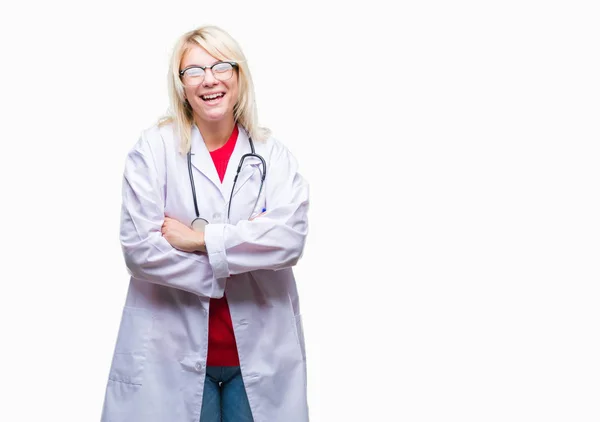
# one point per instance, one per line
(222, 46)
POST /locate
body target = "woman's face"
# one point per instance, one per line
(212, 99)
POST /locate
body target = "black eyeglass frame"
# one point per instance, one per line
(234, 65)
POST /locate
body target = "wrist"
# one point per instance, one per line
(199, 243)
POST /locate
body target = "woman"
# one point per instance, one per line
(211, 329)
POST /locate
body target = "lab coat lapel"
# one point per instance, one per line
(202, 160)
(242, 146)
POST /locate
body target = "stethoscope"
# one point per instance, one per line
(199, 223)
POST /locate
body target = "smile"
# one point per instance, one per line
(212, 97)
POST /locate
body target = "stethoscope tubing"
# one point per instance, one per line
(239, 168)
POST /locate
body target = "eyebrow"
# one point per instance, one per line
(195, 64)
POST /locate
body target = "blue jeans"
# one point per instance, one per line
(225, 397)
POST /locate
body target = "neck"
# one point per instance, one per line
(215, 134)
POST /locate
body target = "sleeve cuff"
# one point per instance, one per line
(215, 247)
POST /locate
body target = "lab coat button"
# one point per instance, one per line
(198, 366)
(216, 216)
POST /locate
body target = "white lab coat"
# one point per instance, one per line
(159, 362)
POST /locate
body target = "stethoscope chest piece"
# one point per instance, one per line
(199, 224)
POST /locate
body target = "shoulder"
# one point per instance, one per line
(156, 139)
(152, 151)
(277, 154)
(159, 134)
(275, 147)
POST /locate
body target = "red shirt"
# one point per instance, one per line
(222, 349)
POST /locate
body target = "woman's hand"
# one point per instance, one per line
(182, 237)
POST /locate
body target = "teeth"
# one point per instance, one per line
(212, 96)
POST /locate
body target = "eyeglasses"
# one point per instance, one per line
(194, 75)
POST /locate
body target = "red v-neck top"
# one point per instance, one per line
(221, 155)
(222, 349)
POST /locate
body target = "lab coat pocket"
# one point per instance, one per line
(300, 334)
(129, 355)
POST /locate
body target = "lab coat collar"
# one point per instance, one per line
(201, 158)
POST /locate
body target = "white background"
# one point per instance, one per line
(451, 271)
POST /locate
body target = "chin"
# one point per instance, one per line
(214, 115)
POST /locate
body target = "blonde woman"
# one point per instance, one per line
(213, 218)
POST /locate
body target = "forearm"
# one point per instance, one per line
(149, 256)
(265, 243)
(152, 261)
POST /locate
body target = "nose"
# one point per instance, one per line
(209, 78)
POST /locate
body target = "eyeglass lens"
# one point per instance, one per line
(195, 75)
